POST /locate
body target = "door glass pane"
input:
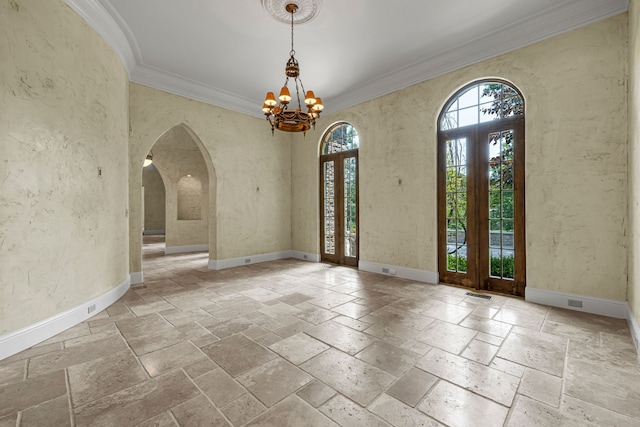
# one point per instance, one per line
(501, 224)
(456, 183)
(350, 208)
(329, 208)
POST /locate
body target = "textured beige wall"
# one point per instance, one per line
(633, 293)
(176, 155)
(576, 154)
(63, 114)
(154, 199)
(249, 172)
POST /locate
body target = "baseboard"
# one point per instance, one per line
(221, 264)
(305, 256)
(184, 249)
(601, 306)
(136, 278)
(22, 339)
(634, 329)
(402, 272)
(152, 232)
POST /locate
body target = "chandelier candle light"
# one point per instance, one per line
(279, 116)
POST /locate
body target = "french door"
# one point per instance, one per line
(339, 238)
(481, 236)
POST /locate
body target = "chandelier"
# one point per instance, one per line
(280, 116)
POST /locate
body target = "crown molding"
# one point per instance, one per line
(117, 34)
(177, 85)
(557, 20)
(552, 22)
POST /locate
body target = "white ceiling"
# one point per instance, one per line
(230, 53)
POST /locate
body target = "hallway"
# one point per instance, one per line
(292, 343)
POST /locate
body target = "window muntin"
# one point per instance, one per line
(342, 137)
(482, 103)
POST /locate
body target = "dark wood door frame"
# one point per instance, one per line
(478, 258)
(339, 257)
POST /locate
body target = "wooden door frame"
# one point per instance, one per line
(478, 274)
(339, 256)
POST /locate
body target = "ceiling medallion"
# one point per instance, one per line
(279, 116)
(307, 10)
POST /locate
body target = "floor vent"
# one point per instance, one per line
(471, 294)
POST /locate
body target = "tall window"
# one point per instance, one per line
(481, 238)
(339, 195)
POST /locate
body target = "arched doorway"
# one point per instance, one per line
(481, 217)
(339, 236)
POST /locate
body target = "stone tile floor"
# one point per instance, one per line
(292, 343)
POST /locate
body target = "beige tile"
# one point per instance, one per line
(389, 358)
(357, 380)
(455, 406)
(573, 333)
(589, 321)
(137, 327)
(542, 387)
(588, 413)
(165, 419)
(404, 318)
(33, 391)
(254, 332)
(604, 385)
(448, 337)
(31, 352)
(293, 328)
(350, 414)
(74, 355)
(280, 309)
(200, 368)
(446, 312)
(52, 413)
(332, 300)
(79, 330)
(9, 420)
(316, 393)
(520, 317)
(198, 412)
(243, 409)
(225, 353)
(352, 310)
(352, 323)
(159, 340)
(489, 339)
(528, 412)
(397, 413)
(537, 350)
(510, 368)
(138, 403)
(169, 358)
(185, 317)
(488, 326)
(473, 376)
(220, 387)
(100, 377)
(299, 348)
(412, 386)
(274, 381)
(292, 412)
(392, 333)
(230, 327)
(480, 352)
(341, 337)
(12, 372)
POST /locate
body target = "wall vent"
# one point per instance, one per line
(385, 270)
(575, 303)
(247, 260)
(471, 294)
(91, 308)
